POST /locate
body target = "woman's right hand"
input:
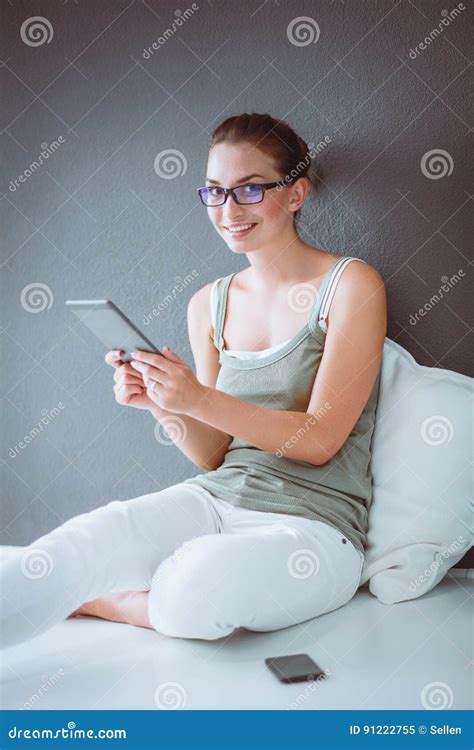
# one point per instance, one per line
(129, 388)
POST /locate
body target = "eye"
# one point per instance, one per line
(250, 189)
(215, 191)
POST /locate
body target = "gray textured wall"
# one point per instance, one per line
(96, 220)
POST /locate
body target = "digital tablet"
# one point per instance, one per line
(111, 326)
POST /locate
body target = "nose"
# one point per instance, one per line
(231, 209)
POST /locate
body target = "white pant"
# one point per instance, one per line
(210, 567)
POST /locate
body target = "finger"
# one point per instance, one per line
(129, 380)
(124, 393)
(113, 358)
(149, 371)
(171, 355)
(154, 395)
(154, 377)
(123, 370)
(149, 358)
(122, 388)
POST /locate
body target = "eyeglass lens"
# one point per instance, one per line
(215, 196)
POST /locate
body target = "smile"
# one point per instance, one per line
(240, 230)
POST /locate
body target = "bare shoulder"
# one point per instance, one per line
(206, 356)
(199, 308)
(360, 293)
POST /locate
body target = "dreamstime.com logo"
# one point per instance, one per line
(436, 164)
(437, 430)
(313, 151)
(437, 696)
(36, 563)
(446, 286)
(36, 297)
(170, 430)
(69, 732)
(179, 20)
(170, 163)
(302, 31)
(178, 287)
(312, 419)
(47, 150)
(170, 696)
(46, 418)
(448, 17)
(310, 687)
(303, 563)
(437, 563)
(36, 31)
(46, 684)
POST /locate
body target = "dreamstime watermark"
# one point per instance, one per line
(69, 732)
(181, 18)
(437, 563)
(169, 563)
(437, 696)
(36, 563)
(170, 430)
(36, 297)
(47, 417)
(303, 563)
(313, 150)
(436, 164)
(47, 150)
(179, 287)
(302, 31)
(448, 17)
(302, 297)
(170, 164)
(312, 684)
(36, 31)
(46, 684)
(446, 286)
(436, 430)
(170, 695)
(312, 419)
(165, 566)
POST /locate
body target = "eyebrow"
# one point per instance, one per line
(242, 179)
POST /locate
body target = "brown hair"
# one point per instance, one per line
(274, 137)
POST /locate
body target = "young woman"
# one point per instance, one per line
(280, 414)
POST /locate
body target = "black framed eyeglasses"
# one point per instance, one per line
(251, 192)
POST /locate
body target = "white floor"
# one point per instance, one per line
(377, 656)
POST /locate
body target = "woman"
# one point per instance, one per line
(280, 412)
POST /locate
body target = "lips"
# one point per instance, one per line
(240, 230)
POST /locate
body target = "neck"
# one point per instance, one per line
(286, 260)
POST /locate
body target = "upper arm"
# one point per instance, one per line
(206, 356)
(352, 355)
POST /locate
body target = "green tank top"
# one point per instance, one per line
(339, 492)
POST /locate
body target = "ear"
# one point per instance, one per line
(299, 191)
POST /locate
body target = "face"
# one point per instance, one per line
(233, 165)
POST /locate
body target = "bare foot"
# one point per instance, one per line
(85, 609)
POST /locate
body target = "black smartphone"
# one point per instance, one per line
(111, 326)
(294, 668)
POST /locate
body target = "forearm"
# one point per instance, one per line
(295, 435)
(202, 443)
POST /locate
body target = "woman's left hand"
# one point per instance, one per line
(171, 383)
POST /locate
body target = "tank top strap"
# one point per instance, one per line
(221, 305)
(326, 293)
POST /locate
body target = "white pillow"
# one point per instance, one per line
(420, 519)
